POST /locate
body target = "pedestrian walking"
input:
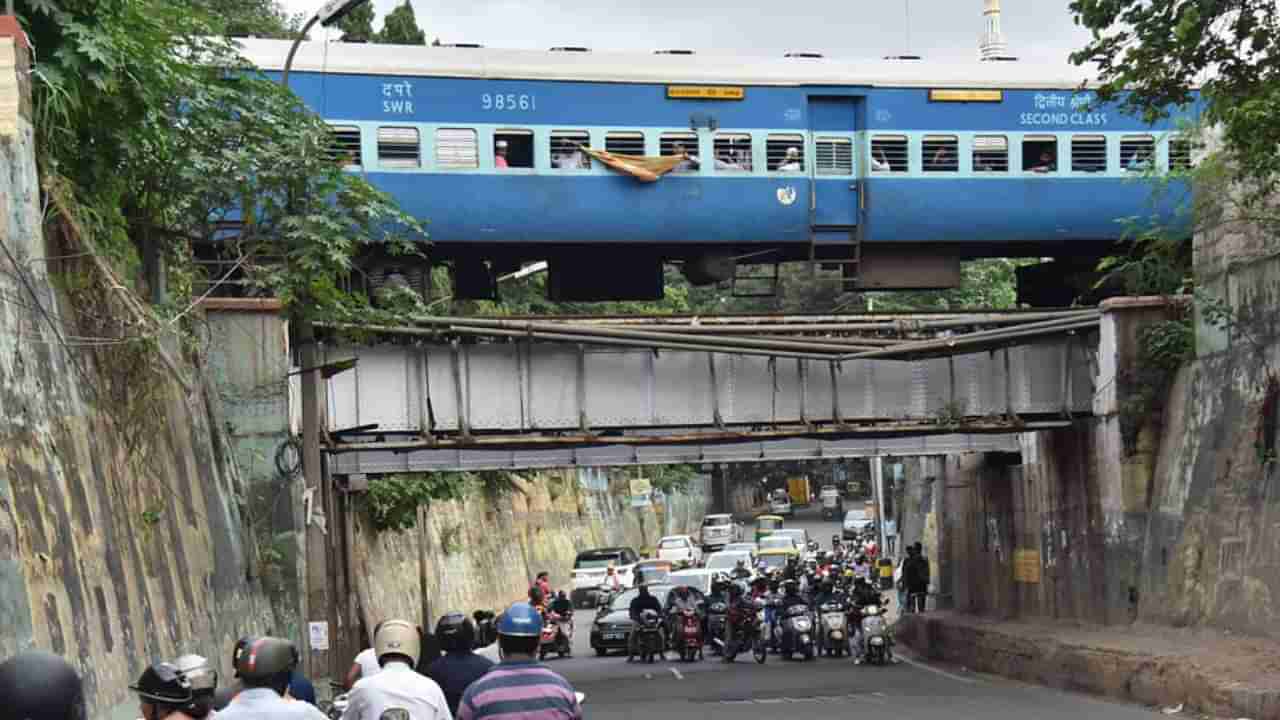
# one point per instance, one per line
(916, 573)
(890, 536)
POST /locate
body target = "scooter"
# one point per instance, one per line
(688, 635)
(746, 625)
(557, 636)
(649, 638)
(717, 617)
(797, 632)
(833, 628)
(877, 644)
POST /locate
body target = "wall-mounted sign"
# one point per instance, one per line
(966, 96)
(705, 92)
(1026, 566)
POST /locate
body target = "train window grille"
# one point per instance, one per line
(1089, 153)
(940, 153)
(833, 156)
(399, 147)
(889, 153)
(519, 146)
(1180, 153)
(457, 149)
(733, 153)
(566, 150)
(344, 144)
(991, 153)
(1040, 153)
(671, 144)
(1137, 152)
(785, 153)
(624, 143)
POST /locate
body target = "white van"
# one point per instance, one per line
(718, 531)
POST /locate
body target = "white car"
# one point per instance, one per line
(698, 579)
(719, 530)
(746, 547)
(726, 562)
(591, 569)
(855, 523)
(679, 550)
(780, 505)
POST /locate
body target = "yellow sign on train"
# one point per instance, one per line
(705, 92)
(966, 95)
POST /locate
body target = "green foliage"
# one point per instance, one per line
(357, 25)
(1150, 53)
(400, 27)
(244, 18)
(672, 478)
(393, 501)
(1155, 264)
(1163, 347)
(184, 135)
(451, 539)
(990, 284)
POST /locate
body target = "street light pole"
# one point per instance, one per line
(319, 608)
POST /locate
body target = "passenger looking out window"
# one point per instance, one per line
(792, 162)
(1045, 164)
(880, 163)
(500, 155)
(690, 162)
(566, 150)
(512, 148)
(1040, 154)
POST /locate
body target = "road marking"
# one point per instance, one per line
(936, 671)
(677, 673)
(879, 700)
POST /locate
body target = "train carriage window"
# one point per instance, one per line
(566, 150)
(991, 153)
(833, 156)
(1180, 153)
(940, 153)
(733, 153)
(1137, 152)
(514, 146)
(344, 144)
(624, 143)
(889, 153)
(457, 149)
(785, 153)
(1040, 154)
(1089, 153)
(399, 147)
(680, 143)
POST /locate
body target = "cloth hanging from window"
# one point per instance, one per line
(643, 168)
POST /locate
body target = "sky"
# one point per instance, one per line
(1036, 30)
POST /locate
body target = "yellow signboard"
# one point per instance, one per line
(705, 92)
(1026, 566)
(641, 486)
(966, 96)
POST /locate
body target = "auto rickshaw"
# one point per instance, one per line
(766, 524)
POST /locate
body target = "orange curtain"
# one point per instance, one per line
(640, 167)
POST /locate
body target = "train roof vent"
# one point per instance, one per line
(673, 52)
(570, 48)
(1001, 58)
(474, 46)
(807, 55)
(901, 57)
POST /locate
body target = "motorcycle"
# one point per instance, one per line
(747, 629)
(688, 635)
(833, 628)
(878, 646)
(557, 636)
(649, 636)
(717, 617)
(797, 632)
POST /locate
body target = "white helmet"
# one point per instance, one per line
(397, 637)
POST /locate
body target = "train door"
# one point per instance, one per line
(832, 172)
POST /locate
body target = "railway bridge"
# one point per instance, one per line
(470, 393)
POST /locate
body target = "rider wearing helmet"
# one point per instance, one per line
(37, 685)
(264, 665)
(460, 666)
(641, 602)
(177, 690)
(741, 571)
(520, 685)
(397, 688)
(791, 594)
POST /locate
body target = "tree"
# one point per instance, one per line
(1150, 54)
(154, 145)
(357, 25)
(400, 27)
(244, 18)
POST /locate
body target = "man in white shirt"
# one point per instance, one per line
(397, 692)
(365, 665)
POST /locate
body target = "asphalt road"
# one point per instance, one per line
(822, 688)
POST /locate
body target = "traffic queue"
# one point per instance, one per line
(781, 595)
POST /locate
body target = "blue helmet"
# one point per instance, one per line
(520, 620)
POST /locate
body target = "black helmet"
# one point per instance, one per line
(241, 645)
(456, 632)
(37, 685)
(266, 660)
(187, 683)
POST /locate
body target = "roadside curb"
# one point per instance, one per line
(1149, 679)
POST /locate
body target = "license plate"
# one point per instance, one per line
(613, 636)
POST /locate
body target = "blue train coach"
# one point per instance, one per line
(893, 169)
